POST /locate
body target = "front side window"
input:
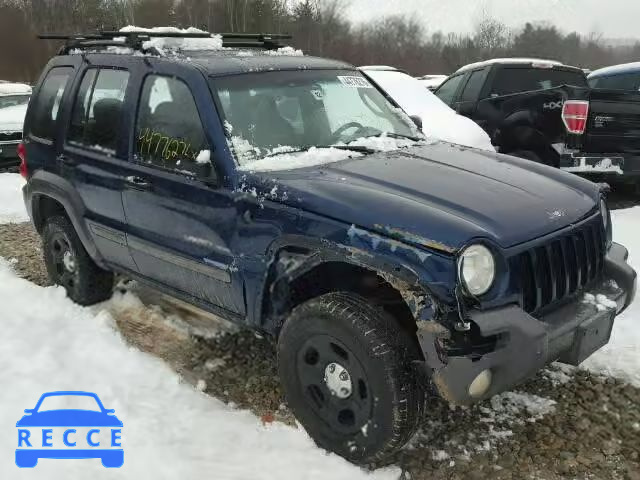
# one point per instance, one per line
(169, 132)
(97, 111)
(447, 91)
(275, 112)
(624, 81)
(47, 104)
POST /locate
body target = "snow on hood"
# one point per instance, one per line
(159, 43)
(12, 118)
(438, 120)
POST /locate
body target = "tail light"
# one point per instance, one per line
(574, 116)
(22, 154)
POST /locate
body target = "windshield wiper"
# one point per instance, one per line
(397, 135)
(355, 148)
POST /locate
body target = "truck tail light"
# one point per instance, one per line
(574, 116)
(22, 154)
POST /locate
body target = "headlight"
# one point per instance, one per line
(477, 269)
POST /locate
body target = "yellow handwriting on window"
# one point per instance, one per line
(159, 146)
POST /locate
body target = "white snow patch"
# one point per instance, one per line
(621, 356)
(170, 429)
(12, 209)
(288, 51)
(164, 43)
(12, 118)
(383, 143)
(288, 161)
(605, 165)
(510, 407)
(204, 156)
(440, 455)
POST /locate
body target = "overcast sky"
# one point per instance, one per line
(611, 18)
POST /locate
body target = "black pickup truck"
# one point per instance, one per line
(545, 111)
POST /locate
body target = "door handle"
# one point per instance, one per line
(138, 182)
(63, 159)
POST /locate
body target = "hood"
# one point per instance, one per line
(12, 118)
(440, 195)
(69, 418)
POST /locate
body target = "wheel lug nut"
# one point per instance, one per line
(344, 376)
(344, 391)
(332, 368)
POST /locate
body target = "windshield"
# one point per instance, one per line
(69, 402)
(278, 112)
(518, 79)
(12, 100)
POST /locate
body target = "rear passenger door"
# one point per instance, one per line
(94, 157)
(180, 229)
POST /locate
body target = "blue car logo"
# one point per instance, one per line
(82, 429)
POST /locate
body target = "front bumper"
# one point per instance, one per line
(526, 344)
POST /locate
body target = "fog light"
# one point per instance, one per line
(480, 384)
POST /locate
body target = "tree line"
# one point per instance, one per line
(319, 27)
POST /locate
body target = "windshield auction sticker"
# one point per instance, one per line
(354, 82)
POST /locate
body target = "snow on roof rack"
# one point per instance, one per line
(135, 38)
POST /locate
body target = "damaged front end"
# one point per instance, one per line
(506, 345)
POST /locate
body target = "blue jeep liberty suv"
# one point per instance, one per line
(287, 194)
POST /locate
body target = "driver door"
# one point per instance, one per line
(180, 229)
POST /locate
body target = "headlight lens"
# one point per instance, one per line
(477, 269)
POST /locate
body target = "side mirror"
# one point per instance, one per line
(28, 410)
(109, 411)
(417, 120)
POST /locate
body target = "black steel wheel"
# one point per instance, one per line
(347, 371)
(69, 265)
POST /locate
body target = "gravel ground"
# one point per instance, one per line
(565, 423)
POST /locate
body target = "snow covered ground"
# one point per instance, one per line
(12, 208)
(170, 429)
(621, 357)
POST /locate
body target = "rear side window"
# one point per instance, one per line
(472, 89)
(448, 89)
(97, 110)
(169, 132)
(47, 104)
(515, 80)
(625, 81)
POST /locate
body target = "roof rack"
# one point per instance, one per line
(135, 39)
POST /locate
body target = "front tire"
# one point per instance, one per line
(69, 265)
(347, 371)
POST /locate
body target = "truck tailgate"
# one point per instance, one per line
(614, 123)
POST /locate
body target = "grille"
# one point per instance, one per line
(10, 136)
(557, 270)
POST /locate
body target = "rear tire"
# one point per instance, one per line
(69, 265)
(371, 411)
